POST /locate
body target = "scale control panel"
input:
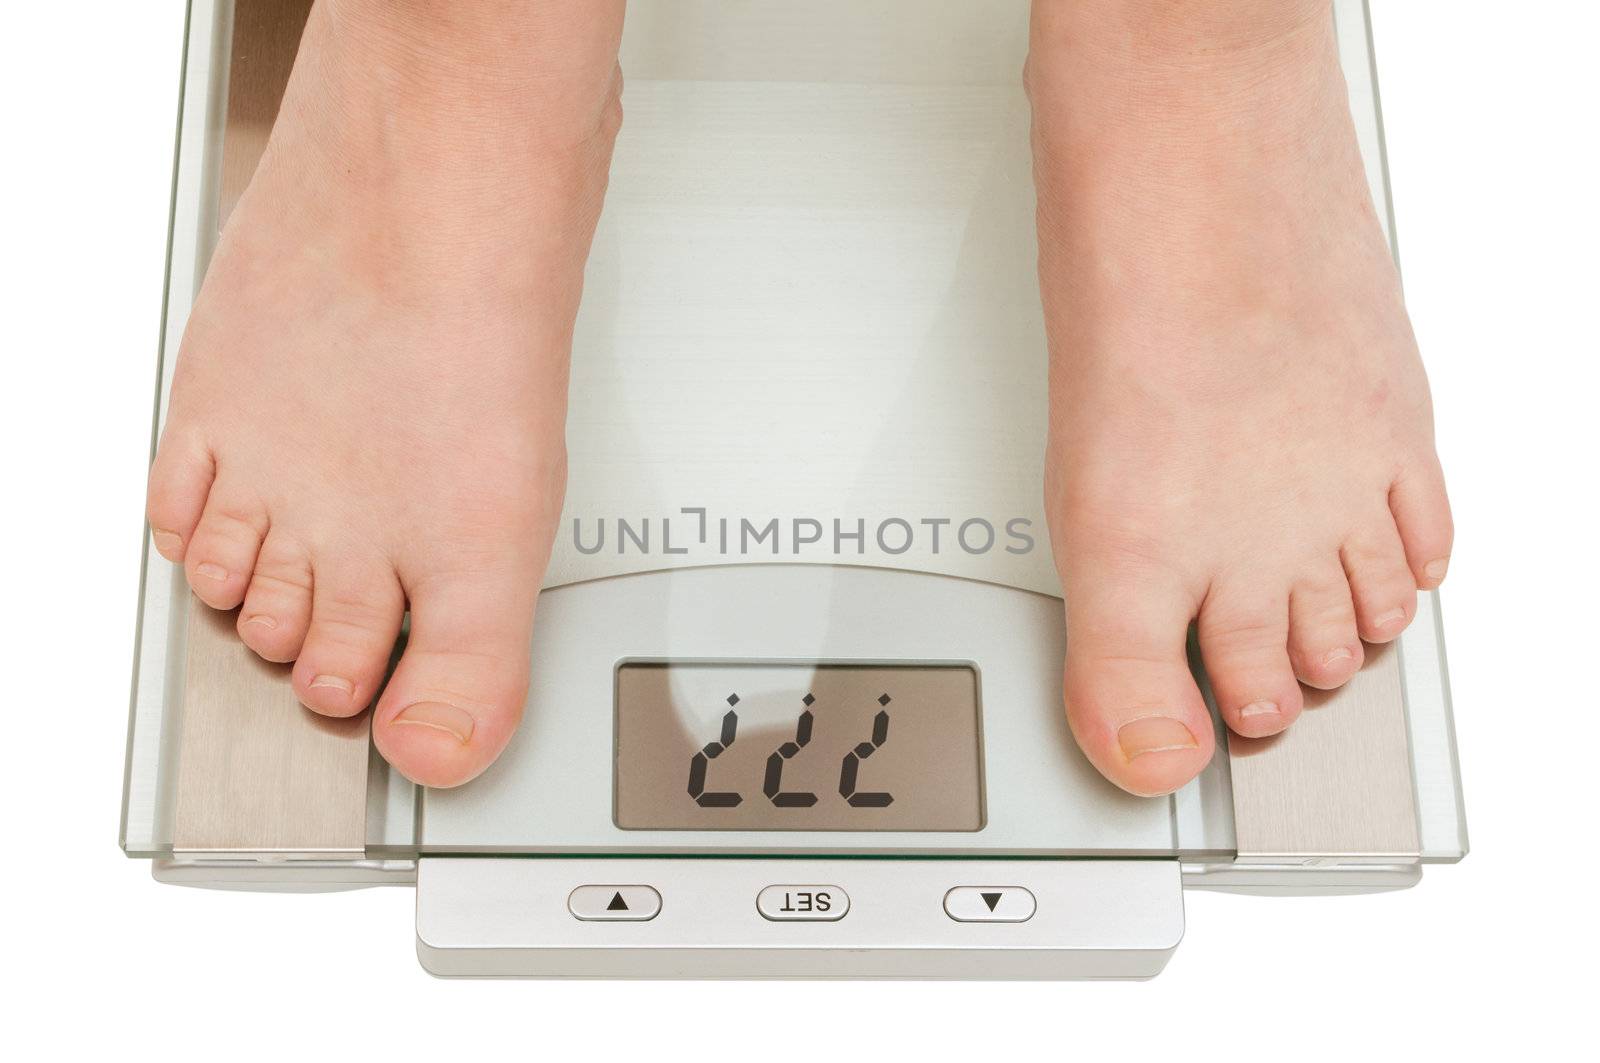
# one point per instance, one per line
(706, 916)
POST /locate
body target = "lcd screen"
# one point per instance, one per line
(735, 746)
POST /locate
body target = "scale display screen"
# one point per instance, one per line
(770, 747)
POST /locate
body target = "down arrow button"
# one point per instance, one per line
(990, 904)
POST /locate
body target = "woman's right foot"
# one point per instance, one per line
(368, 409)
(1241, 432)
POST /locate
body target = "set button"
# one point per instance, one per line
(989, 904)
(602, 904)
(815, 904)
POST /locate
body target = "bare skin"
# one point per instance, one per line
(368, 409)
(369, 405)
(1241, 431)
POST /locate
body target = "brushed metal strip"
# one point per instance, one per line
(257, 773)
(1336, 787)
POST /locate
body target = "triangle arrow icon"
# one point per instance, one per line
(991, 899)
(619, 905)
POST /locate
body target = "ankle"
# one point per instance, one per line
(421, 169)
(540, 76)
(1162, 31)
(1148, 107)
(491, 38)
(1162, 63)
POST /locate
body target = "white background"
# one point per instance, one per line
(1491, 119)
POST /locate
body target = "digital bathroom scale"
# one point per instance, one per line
(796, 706)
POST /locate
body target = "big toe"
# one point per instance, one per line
(457, 695)
(1131, 698)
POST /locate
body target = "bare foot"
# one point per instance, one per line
(369, 405)
(1241, 431)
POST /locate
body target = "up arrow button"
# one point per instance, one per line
(614, 903)
(990, 904)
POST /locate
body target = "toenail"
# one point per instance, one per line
(1333, 657)
(211, 571)
(1393, 618)
(1435, 570)
(333, 682)
(1154, 734)
(440, 717)
(167, 542)
(1259, 708)
(264, 621)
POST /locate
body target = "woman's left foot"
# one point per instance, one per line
(367, 417)
(1241, 431)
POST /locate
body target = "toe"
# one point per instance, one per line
(180, 480)
(355, 619)
(1422, 514)
(1324, 644)
(458, 692)
(1131, 699)
(1381, 583)
(222, 551)
(277, 607)
(1244, 640)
